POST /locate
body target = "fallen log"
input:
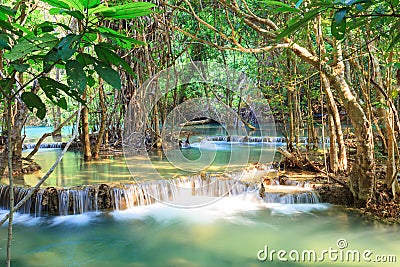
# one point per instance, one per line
(197, 122)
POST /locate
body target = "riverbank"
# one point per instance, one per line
(380, 207)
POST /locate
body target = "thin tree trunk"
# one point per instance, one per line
(44, 136)
(290, 142)
(87, 153)
(362, 176)
(333, 156)
(57, 115)
(334, 111)
(102, 130)
(10, 177)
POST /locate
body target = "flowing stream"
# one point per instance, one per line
(137, 222)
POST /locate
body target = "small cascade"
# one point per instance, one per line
(299, 197)
(287, 191)
(252, 139)
(43, 145)
(79, 200)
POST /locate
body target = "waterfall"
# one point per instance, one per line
(43, 145)
(308, 197)
(82, 199)
(251, 139)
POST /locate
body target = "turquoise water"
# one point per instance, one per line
(33, 133)
(212, 157)
(229, 232)
(73, 170)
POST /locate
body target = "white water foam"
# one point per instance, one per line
(228, 208)
(75, 220)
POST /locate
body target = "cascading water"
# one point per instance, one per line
(84, 199)
(43, 145)
(251, 139)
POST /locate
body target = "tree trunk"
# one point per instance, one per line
(334, 111)
(16, 138)
(87, 153)
(333, 156)
(102, 130)
(362, 176)
(10, 179)
(57, 115)
(290, 142)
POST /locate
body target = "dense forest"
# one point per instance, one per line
(320, 64)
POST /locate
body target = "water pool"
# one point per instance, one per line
(229, 232)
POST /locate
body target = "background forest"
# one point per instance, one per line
(329, 64)
(332, 60)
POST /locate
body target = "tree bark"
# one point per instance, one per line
(87, 153)
(102, 130)
(333, 156)
(332, 107)
(10, 179)
(362, 175)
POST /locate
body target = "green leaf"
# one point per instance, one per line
(27, 45)
(76, 14)
(108, 74)
(275, 3)
(32, 101)
(6, 26)
(107, 32)
(395, 27)
(60, 11)
(75, 4)
(4, 41)
(50, 59)
(68, 45)
(90, 3)
(89, 37)
(57, 3)
(90, 81)
(101, 8)
(76, 76)
(297, 23)
(394, 42)
(130, 11)
(20, 67)
(5, 11)
(286, 9)
(44, 27)
(112, 58)
(338, 30)
(85, 59)
(21, 28)
(53, 91)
